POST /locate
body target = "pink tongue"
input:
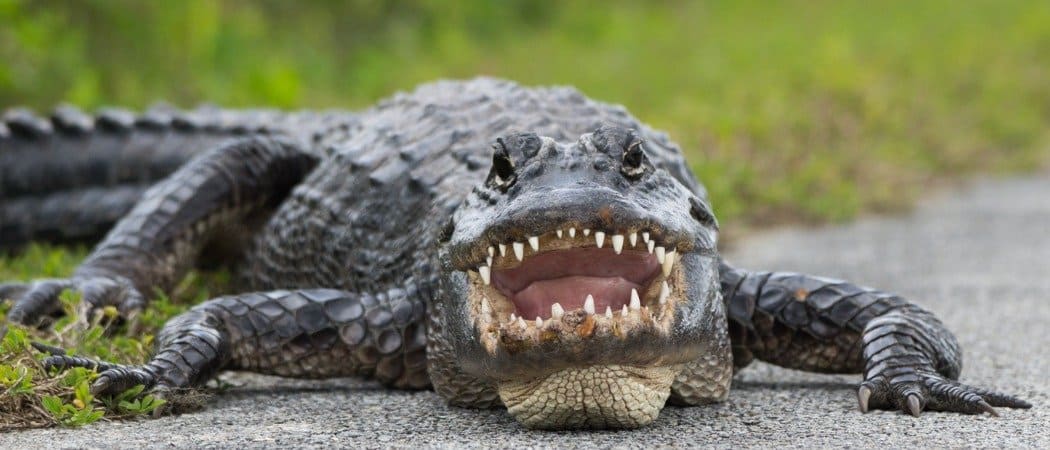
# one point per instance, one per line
(570, 292)
(633, 266)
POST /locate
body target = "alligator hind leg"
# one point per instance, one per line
(315, 333)
(164, 235)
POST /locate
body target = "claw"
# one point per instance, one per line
(999, 399)
(988, 408)
(100, 386)
(44, 348)
(162, 409)
(914, 406)
(863, 395)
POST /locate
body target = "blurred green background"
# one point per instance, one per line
(790, 111)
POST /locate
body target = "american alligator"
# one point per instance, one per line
(505, 246)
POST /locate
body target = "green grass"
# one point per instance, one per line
(798, 110)
(803, 111)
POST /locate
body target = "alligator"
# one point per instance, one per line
(505, 246)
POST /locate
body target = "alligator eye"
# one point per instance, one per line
(502, 175)
(633, 160)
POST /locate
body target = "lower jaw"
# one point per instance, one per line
(591, 397)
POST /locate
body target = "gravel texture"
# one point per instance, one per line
(976, 257)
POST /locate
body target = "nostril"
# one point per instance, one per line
(702, 213)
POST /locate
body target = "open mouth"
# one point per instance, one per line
(577, 282)
(568, 279)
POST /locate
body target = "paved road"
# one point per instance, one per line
(978, 258)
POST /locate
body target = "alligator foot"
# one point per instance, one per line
(913, 392)
(113, 379)
(37, 303)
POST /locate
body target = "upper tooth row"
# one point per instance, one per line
(599, 240)
(665, 257)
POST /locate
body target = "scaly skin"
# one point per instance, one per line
(365, 244)
(69, 177)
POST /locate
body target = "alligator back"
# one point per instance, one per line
(367, 219)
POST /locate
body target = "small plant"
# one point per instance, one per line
(16, 380)
(132, 402)
(81, 411)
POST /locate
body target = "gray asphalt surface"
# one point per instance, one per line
(978, 257)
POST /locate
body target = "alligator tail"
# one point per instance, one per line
(70, 176)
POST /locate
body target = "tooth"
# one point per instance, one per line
(534, 242)
(572, 232)
(521, 322)
(489, 261)
(492, 251)
(586, 231)
(588, 305)
(486, 310)
(599, 238)
(669, 263)
(617, 240)
(486, 274)
(623, 311)
(645, 236)
(556, 311)
(608, 312)
(633, 239)
(558, 233)
(665, 291)
(513, 317)
(651, 245)
(539, 321)
(502, 250)
(519, 250)
(635, 301)
(660, 254)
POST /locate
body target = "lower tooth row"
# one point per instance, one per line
(557, 312)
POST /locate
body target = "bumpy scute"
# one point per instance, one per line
(610, 396)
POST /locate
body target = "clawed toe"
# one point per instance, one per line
(65, 362)
(933, 392)
(119, 379)
(12, 291)
(50, 350)
(112, 379)
(36, 303)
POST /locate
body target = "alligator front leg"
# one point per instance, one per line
(316, 333)
(211, 200)
(909, 359)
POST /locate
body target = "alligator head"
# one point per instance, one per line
(579, 280)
